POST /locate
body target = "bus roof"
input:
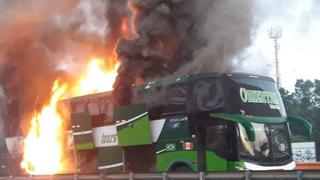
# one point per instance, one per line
(176, 80)
(169, 80)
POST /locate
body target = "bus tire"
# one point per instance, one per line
(181, 168)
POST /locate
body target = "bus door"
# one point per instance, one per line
(220, 143)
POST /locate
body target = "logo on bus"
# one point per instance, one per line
(108, 139)
(171, 147)
(187, 146)
(263, 97)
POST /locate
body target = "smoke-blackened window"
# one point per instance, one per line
(154, 98)
(177, 98)
(206, 94)
(100, 108)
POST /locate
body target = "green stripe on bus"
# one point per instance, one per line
(215, 162)
(84, 146)
(136, 132)
(166, 159)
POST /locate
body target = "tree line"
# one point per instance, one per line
(304, 102)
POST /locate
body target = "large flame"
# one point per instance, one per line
(44, 143)
(43, 149)
(98, 77)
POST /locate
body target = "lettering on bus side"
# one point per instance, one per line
(179, 119)
(109, 139)
(105, 136)
(263, 97)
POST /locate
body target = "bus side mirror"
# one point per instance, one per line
(307, 127)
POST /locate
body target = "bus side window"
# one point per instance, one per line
(232, 143)
(109, 112)
(177, 98)
(221, 138)
(155, 100)
(216, 139)
(206, 94)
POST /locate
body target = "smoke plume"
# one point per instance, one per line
(115, 12)
(44, 40)
(180, 37)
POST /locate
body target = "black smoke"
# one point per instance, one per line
(164, 38)
(43, 40)
(180, 37)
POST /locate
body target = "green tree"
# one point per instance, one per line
(304, 102)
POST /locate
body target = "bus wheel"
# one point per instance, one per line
(181, 168)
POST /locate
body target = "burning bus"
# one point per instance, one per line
(174, 123)
(200, 122)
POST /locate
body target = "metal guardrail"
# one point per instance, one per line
(245, 175)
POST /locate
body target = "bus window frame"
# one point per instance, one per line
(231, 149)
(263, 163)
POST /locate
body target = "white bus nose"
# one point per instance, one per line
(256, 167)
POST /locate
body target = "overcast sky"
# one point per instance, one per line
(300, 43)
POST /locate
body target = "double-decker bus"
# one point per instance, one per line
(200, 122)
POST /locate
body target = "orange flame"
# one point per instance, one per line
(125, 27)
(98, 78)
(42, 146)
(44, 143)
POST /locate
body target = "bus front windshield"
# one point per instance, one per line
(271, 145)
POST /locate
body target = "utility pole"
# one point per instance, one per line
(275, 33)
